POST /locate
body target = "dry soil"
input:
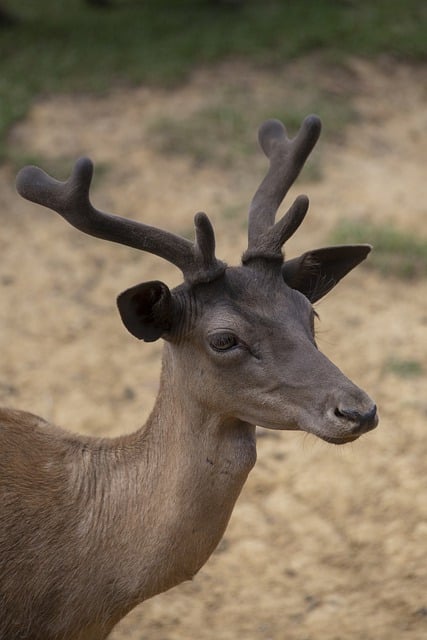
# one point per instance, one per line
(325, 543)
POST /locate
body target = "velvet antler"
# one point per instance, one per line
(70, 199)
(287, 157)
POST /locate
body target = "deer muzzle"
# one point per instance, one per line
(352, 422)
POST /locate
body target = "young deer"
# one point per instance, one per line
(90, 527)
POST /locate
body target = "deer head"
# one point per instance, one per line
(241, 338)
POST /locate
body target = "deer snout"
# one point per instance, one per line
(358, 421)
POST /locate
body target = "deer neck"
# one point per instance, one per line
(184, 470)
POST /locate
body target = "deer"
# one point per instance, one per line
(90, 527)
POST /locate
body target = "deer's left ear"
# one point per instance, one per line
(147, 310)
(316, 272)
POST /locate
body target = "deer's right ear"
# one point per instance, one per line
(147, 310)
(316, 272)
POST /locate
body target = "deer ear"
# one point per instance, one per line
(147, 310)
(316, 272)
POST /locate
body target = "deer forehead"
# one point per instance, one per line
(246, 300)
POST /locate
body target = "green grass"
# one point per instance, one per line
(204, 136)
(403, 368)
(222, 132)
(67, 46)
(396, 253)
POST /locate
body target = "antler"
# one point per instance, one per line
(70, 199)
(287, 157)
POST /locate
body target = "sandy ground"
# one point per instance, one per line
(325, 543)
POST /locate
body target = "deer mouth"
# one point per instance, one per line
(341, 439)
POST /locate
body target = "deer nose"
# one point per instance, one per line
(362, 422)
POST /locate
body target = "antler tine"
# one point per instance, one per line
(287, 157)
(71, 200)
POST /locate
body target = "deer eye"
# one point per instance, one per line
(223, 341)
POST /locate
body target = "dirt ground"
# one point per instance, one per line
(325, 543)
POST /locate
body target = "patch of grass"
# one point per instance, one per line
(63, 46)
(403, 368)
(222, 132)
(234, 215)
(205, 136)
(395, 253)
(59, 166)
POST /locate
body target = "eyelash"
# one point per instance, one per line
(223, 342)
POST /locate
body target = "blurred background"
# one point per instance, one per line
(166, 97)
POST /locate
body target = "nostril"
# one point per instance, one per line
(362, 421)
(348, 414)
(339, 413)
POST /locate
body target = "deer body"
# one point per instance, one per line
(123, 519)
(90, 527)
